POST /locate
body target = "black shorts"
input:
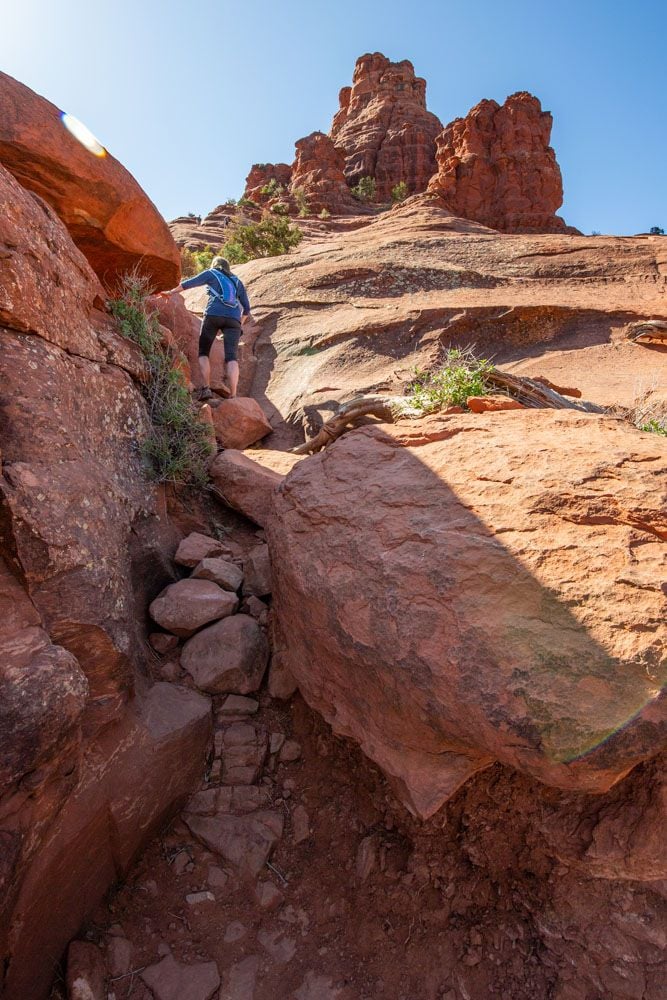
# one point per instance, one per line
(231, 331)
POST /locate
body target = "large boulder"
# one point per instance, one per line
(477, 590)
(240, 422)
(383, 127)
(496, 166)
(185, 606)
(248, 484)
(230, 656)
(109, 217)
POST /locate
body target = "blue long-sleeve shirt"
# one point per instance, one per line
(214, 306)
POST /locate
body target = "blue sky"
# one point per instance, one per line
(189, 94)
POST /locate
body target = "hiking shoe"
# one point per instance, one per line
(204, 393)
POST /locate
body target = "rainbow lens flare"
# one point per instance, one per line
(82, 134)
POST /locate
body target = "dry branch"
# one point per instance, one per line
(530, 392)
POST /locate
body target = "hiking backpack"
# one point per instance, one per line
(228, 294)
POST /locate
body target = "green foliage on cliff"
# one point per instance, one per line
(365, 189)
(461, 375)
(177, 448)
(194, 261)
(399, 192)
(270, 237)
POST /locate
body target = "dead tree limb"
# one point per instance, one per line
(530, 392)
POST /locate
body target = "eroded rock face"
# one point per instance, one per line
(318, 172)
(90, 751)
(495, 166)
(383, 126)
(109, 217)
(263, 174)
(456, 604)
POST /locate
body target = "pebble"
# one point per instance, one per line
(290, 751)
(268, 896)
(235, 931)
(195, 898)
(238, 704)
(300, 825)
(217, 878)
(276, 741)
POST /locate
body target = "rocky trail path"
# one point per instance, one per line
(308, 880)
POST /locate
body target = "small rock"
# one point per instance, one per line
(170, 670)
(300, 825)
(170, 980)
(240, 980)
(246, 842)
(235, 931)
(255, 607)
(197, 547)
(181, 862)
(230, 656)
(276, 740)
(243, 754)
(237, 704)
(366, 857)
(151, 888)
(186, 606)
(281, 683)
(197, 898)
(291, 751)
(280, 947)
(226, 574)
(217, 878)
(492, 404)
(268, 896)
(119, 956)
(316, 987)
(163, 949)
(162, 642)
(257, 572)
(240, 422)
(86, 972)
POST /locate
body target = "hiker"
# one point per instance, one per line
(227, 308)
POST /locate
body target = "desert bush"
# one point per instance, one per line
(460, 375)
(194, 261)
(655, 426)
(177, 448)
(248, 203)
(399, 192)
(270, 237)
(301, 200)
(365, 189)
(324, 214)
(280, 208)
(272, 189)
(657, 231)
(648, 412)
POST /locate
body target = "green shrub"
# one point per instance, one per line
(271, 237)
(324, 214)
(657, 231)
(177, 448)
(365, 189)
(248, 203)
(280, 208)
(399, 192)
(460, 376)
(272, 189)
(301, 199)
(655, 426)
(194, 261)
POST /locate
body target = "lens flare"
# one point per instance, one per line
(82, 134)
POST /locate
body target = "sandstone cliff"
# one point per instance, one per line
(496, 166)
(384, 128)
(89, 746)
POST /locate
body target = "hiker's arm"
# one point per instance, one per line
(245, 304)
(198, 279)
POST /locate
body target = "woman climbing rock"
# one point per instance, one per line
(226, 310)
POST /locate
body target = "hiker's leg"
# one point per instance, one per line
(232, 377)
(205, 369)
(232, 335)
(206, 339)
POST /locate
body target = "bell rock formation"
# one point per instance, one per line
(383, 126)
(495, 166)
